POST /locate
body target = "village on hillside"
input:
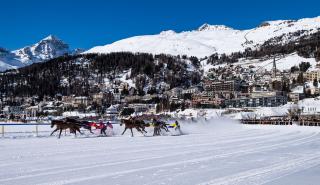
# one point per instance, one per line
(229, 89)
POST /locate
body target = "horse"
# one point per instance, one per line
(158, 126)
(139, 125)
(63, 125)
(142, 125)
(82, 124)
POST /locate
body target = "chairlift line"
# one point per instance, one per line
(275, 60)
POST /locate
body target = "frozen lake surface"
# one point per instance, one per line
(217, 152)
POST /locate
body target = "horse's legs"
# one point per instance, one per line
(103, 131)
(138, 129)
(78, 129)
(90, 130)
(60, 133)
(55, 130)
(166, 128)
(155, 131)
(131, 132)
(124, 131)
(144, 130)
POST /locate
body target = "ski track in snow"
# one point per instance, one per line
(268, 173)
(243, 155)
(159, 147)
(140, 159)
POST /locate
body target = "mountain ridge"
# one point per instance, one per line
(46, 49)
(209, 39)
(201, 42)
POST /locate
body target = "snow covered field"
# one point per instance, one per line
(215, 152)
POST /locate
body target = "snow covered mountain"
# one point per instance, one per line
(202, 42)
(209, 39)
(7, 60)
(48, 48)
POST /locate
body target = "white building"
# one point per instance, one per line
(309, 106)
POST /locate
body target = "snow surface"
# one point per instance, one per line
(213, 152)
(209, 39)
(283, 63)
(123, 78)
(4, 66)
(7, 60)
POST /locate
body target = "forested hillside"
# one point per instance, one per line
(84, 74)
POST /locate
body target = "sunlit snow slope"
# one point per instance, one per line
(209, 39)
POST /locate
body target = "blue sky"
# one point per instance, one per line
(87, 23)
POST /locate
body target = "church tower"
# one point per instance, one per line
(274, 68)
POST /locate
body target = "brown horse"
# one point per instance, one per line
(158, 126)
(63, 125)
(82, 124)
(139, 125)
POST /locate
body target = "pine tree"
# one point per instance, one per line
(315, 82)
(300, 79)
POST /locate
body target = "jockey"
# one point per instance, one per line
(109, 125)
(103, 128)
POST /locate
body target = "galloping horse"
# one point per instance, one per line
(63, 125)
(158, 125)
(82, 124)
(139, 125)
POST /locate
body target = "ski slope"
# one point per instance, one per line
(213, 152)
